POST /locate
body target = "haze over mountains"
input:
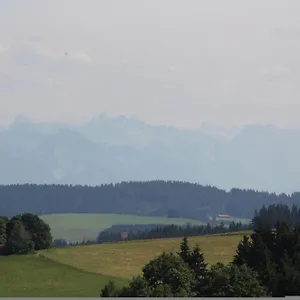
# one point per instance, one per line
(113, 149)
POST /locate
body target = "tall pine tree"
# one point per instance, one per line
(185, 251)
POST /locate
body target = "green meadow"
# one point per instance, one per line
(78, 227)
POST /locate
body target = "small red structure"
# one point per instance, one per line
(124, 235)
(2, 246)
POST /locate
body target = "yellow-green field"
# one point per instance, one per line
(126, 259)
(79, 227)
(83, 270)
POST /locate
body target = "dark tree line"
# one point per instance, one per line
(24, 234)
(154, 198)
(274, 254)
(277, 212)
(168, 231)
(151, 231)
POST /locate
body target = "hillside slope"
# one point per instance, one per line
(126, 259)
(36, 276)
(79, 227)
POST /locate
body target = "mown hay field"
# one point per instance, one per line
(126, 259)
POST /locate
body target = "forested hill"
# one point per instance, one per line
(154, 198)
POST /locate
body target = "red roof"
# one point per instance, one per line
(124, 235)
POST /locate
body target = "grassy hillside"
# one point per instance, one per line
(82, 271)
(126, 259)
(78, 227)
(35, 276)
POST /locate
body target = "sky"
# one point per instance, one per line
(179, 63)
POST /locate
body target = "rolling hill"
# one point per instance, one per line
(79, 227)
(82, 271)
(36, 276)
(126, 259)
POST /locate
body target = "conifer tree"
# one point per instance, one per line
(197, 263)
(243, 252)
(185, 251)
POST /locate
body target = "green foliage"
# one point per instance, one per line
(185, 251)
(191, 201)
(19, 240)
(165, 276)
(234, 281)
(25, 233)
(197, 263)
(162, 290)
(2, 231)
(59, 243)
(4, 218)
(274, 213)
(275, 255)
(169, 275)
(171, 270)
(39, 231)
(138, 287)
(288, 280)
(243, 252)
(110, 290)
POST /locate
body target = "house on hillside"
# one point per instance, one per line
(124, 235)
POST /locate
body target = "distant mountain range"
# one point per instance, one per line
(113, 149)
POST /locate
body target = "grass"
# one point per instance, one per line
(78, 227)
(126, 259)
(36, 276)
(243, 221)
(83, 270)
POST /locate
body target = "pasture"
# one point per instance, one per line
(79, 227)
(237, 220)
(82, 271)
(35, 276)
(126, 259)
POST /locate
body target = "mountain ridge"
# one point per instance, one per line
(113, 149)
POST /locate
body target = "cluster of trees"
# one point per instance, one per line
(24, 233)
(277, 212)
(135, 232)
(153, 198)
(186, 274)
(267, 263)
(274, 254)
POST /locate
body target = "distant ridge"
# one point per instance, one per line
(113, 149)
(169, 199)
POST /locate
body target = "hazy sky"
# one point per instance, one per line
(165, 61)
